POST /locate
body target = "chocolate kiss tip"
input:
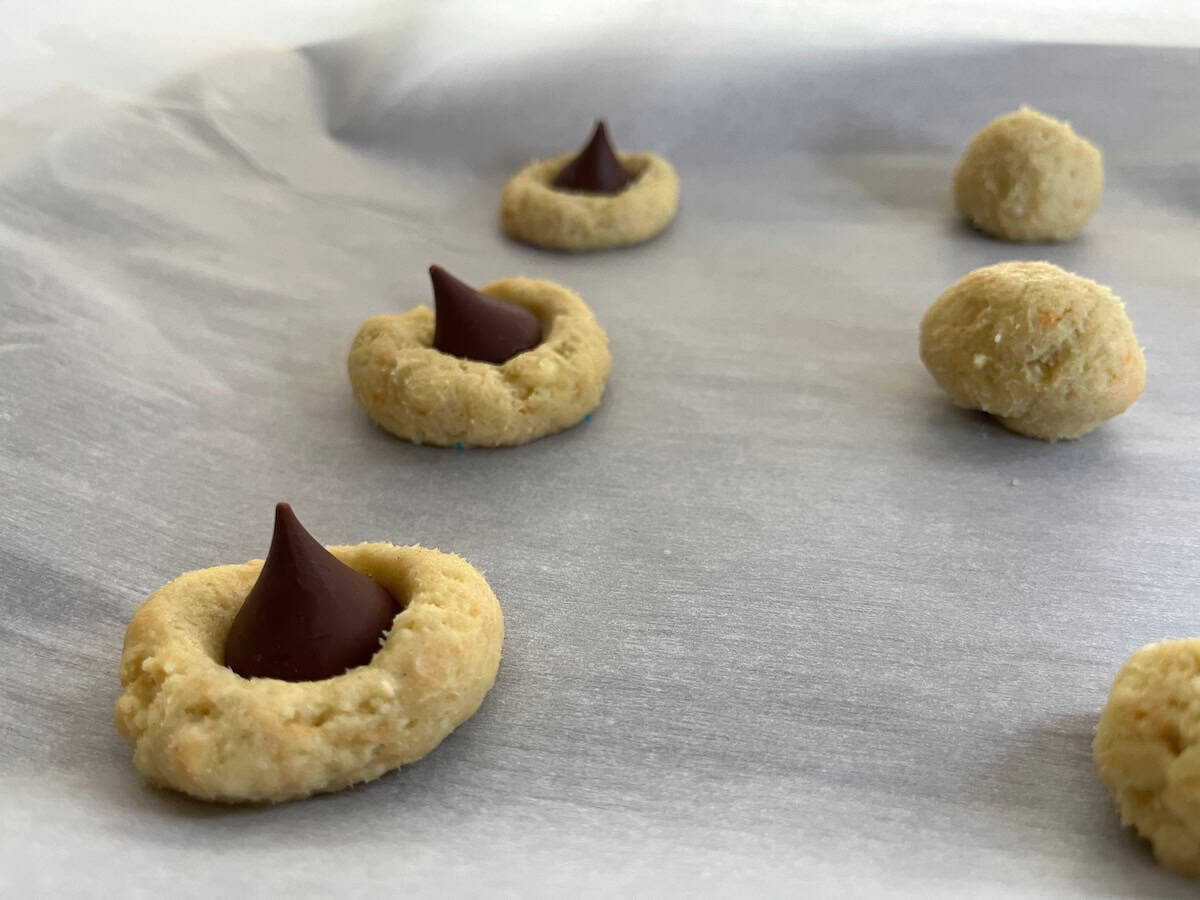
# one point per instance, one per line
(472, 325)
(596, 170)
(309, 616)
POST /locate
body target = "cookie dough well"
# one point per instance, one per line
(198, 727)
(420, 394)
(534, 212)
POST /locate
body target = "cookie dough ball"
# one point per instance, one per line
(583, 216)
(1029, 177)
(198, 727)
(1048, 353)
(429, 397)
(1147, 748)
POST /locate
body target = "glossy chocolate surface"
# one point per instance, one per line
(475, 326)
(309, 616)
(596, 170)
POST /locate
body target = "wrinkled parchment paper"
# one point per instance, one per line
(781, 620)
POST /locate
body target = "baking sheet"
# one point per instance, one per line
(780, 619)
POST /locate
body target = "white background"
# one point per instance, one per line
(123, 46)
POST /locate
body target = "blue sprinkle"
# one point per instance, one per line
(587, 417)
(458, 445)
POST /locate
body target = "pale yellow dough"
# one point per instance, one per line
(1147, 748)
(198, 727)
(1029, 177)
(1049, 354)
(533, 211)
(430, 397)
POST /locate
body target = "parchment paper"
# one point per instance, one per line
(781, 620)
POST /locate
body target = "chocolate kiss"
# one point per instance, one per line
(309, 616)
(596, 170)
(475, 326)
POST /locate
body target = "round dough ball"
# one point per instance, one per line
(1048, 353)
(1029, 177)
(1147, 748)
(429, 397)
(200, 728)
(535, 212)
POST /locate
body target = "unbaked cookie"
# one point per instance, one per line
(1048, 353)
(1029, 177)
(535, 211)
(423, 395)
(198, 727)
(1147, 748)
